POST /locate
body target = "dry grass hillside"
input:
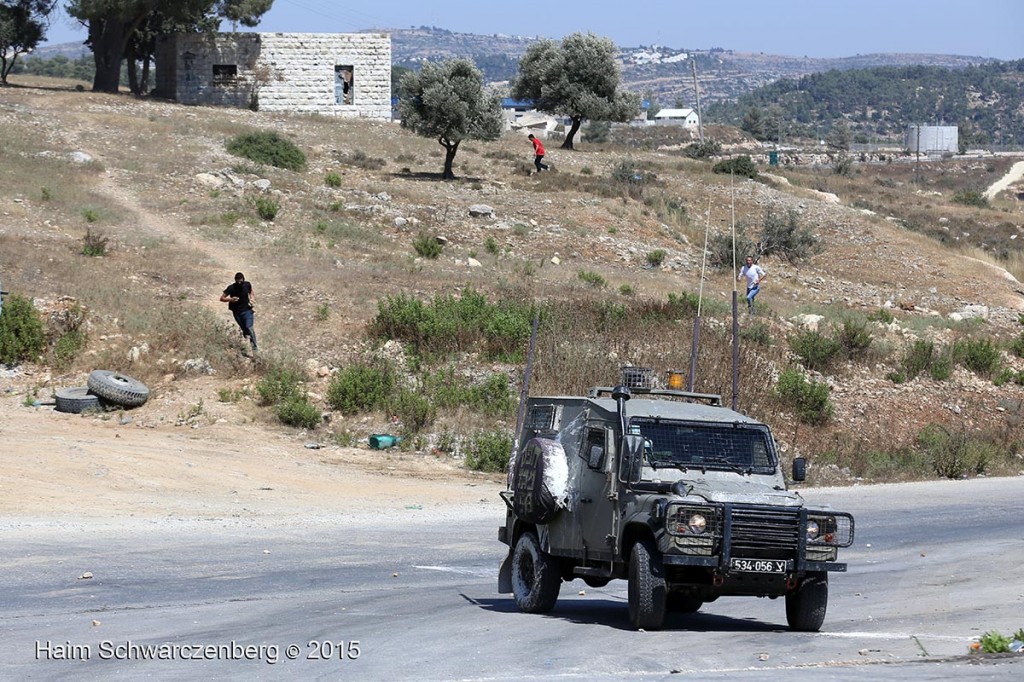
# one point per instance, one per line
(616, 264)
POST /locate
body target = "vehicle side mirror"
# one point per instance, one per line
(632, 459)
(595, 457)
(799, 469)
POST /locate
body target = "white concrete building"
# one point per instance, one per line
(683, 117)
(338, 74)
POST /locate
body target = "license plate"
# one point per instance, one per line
(758, 565)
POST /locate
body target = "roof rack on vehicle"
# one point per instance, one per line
(709, 398)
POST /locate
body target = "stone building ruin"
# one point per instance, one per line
(335, 74)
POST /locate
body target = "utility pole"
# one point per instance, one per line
(917, 162)
(696, 91)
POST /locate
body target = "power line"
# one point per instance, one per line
(345, 17)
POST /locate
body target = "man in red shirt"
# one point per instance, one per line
(538, 149)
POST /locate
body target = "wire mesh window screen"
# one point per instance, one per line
(672, 443)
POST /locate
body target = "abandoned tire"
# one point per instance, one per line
(539, 481)
(119, 389)
(535, 577)
(683, 603)
(805, 606)
(76, 400)
(647, 588)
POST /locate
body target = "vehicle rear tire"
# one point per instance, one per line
(535, 577)
(119, 389)
(647, 589)
(806, 605)
(76, 400)
(683, 603)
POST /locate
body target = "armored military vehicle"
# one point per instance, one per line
(669, 490)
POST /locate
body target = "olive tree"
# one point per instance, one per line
(578, 77)
(114, 26)
(22, 27)
(447, 101)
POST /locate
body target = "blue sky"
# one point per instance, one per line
(815, 28)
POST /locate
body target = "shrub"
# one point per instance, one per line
(46, 193)
(592, 278)
(361, 159)
(953, 455)
(918, 358)
(21, 331)
(720, 254)
(626, 289)
(298, 411)
(656, 258)
(854, 337)
(94, 245)
(980, 356)
(266, 207)
(451, 324)
(427, 246)
(323, 311)
(280, 382)
(488, 451)
(627, 172)
(91, 215)
(970, 197)
(786, 238)
(269, 148)
(361, 387)
(739, 165)
(68, 347)
(1017, 346)
(758, 333)
(809, 399)
(993, 642)
(414, 410)
(816, 351)
(881, 315)
(491, 245)
(332, 179)
(703, 150)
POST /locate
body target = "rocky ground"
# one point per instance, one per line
(163, 184)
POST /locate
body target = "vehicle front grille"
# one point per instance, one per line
(765, 532)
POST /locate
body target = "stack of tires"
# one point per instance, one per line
(106, 389)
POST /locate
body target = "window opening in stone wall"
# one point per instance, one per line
(225, 74)
(344, 84)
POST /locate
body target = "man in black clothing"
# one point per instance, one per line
(239, 298)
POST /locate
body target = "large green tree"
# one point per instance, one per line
(114, 25)
(448, 101)
(22, 26)
(578, 77)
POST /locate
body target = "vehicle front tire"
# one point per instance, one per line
(647, 589)
(806, 605)
(535, 577)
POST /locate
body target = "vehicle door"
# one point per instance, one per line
(597, 490)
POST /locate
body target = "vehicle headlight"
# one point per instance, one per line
(813, 530)
(697, 524)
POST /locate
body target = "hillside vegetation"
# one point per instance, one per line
(880, 102)
(386, 305)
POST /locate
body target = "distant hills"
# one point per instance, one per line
(661, 73)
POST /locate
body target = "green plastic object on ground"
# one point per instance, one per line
(383, 441)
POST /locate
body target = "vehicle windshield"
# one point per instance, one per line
(694, 445)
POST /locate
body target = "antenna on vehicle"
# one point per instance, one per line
(524, 392)
(735, 305)
(700, 300)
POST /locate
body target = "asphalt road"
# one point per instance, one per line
(411, 595)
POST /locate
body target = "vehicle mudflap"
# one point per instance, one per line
(505, 575)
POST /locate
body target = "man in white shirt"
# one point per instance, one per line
(754, 274)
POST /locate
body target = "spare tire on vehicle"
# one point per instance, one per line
(117, 388)
(540, 481)
(76, 400)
